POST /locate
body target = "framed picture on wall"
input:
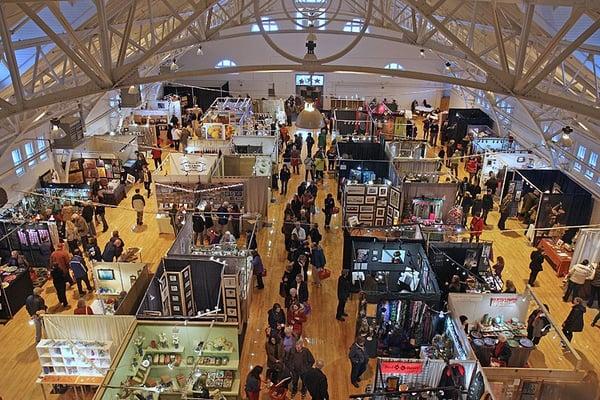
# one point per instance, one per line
(383, 191)
(395, 198)
(372, 190)
(229, 283)
(390, 212)
(231, 302)
(352, 209)
(388, 221)
(379, 222)
(355, 189)
(355, 200)
(380, 213)
(366, 217)
(366, 209)
(382, 202)
(396, 214)
(370, 199)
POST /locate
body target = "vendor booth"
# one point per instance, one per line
(120, 286)
(34, 240)
(261, 145)
(424, 202)
(547, 199)
(178, 178)
(501, 163)
(347, 122)
(274, 108)
(15, 286)
(173, 360)
(77, 350)
(192, 279)
(205, 146)
(363, 161)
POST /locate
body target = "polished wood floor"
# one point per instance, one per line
(328, 339)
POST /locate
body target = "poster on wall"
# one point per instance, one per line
(400, 367)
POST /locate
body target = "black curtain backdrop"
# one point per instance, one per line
(151, 300)
(464, 117)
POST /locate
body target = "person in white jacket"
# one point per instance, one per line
(578, 274)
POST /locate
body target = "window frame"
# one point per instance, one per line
(581, 154)
(43, 148)
(29, 153)
(268, 24)
(355, 26)
(221, 63)
(17, 161)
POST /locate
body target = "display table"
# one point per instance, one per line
(518, 357)
(114, 196)
(164, 223)
(77, 382)
(12, 297)
(558, 258)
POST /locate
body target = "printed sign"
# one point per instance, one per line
(503, 301)
(399, 367)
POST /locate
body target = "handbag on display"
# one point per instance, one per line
(324, 273)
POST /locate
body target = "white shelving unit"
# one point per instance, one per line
(74, 358)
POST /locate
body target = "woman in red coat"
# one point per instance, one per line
(471, 168)
(296, 317)
(295, 160)
(476, 228)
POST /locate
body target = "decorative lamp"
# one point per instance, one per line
(310, 117)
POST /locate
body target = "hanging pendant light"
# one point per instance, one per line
(310, 117)
(199, 52)
(174, 67)
(57, 132)
(565, 139)
(133, 89)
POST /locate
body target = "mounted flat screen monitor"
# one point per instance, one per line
(392, 256)
(106, 275)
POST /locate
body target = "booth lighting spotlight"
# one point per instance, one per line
(199, 52)
(448, 65)
(422, 52)
(565, 139)
(173, 67)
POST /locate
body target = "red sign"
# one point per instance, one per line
(399, 367)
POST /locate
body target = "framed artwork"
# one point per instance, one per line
(355, 200)
(388, 221)
(380, 213)
(176, 308)
(230, 293)
(395, 198)
(382, 202)
(175, 298)
(366, 217)
(366, 209)
(383, 191)
(379, 222)
(173, 278)
(229, 283)
(396, 214)
(355, 189)
(174, 288)
(370, 199)
(352, 209)
(231, 302)
(372, 190)
(232, 312)
(390, 212)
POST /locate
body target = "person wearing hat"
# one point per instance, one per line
(36, 306)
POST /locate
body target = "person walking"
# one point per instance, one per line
(36, 306)
(258, 269)
(504, 211)
(93, 250)
(499, 266)
(577, 276)
(198, 226)
(71, 234)
(595, 286)
(309, 168)
(316, 382)
(295, 160)
(80, 272)
(319, 164)
(538, 325)
(487, 205)
(138, 203)
(87, 212)
(328, 209)
(359, 359)
(492, 183)
(476, 228)
(454, 162)
(309, 144)
(318, 261)
(343, 292)
(284, 177)
(471, 168)
(147, 179)
(276, 319)
(253, 382)
(59, 280)
(156, 157)
(61, 258)
(574, 321)
(535, 265)
(275, 355)
(100, 212)
(299, 360)
(176, 134)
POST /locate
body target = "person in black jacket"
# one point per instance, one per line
(328, 210)
(316, 382)
(100, 214)
(314, 234)
(198, 227)
(343, 292)
(309, 144)
(276, 319)
(302, 289)
(487, 205)
(284, 177)
(299, 360)
(87, 212)
(35, 305)
(537, 259)
(574, 321)
(359, 359)
(93, 250)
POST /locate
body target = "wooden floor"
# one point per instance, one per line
(328, 339)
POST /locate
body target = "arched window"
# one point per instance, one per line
(393, 66)
(225, 64)
(268, 24)
(354, 26)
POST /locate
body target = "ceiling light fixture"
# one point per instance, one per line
(133, 89)
(199, 52)
(174, 67)
(57, 132)
(565, 139)
(310, 117)
(448, 65)
(422, 52)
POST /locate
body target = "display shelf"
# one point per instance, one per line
(81, 357)
(166, 350)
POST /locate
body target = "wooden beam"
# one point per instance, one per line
(105, 44)
(126, 34)
(11, 59)
(498, 31)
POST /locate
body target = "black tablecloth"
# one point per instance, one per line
(12, 298)
(518, 358)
